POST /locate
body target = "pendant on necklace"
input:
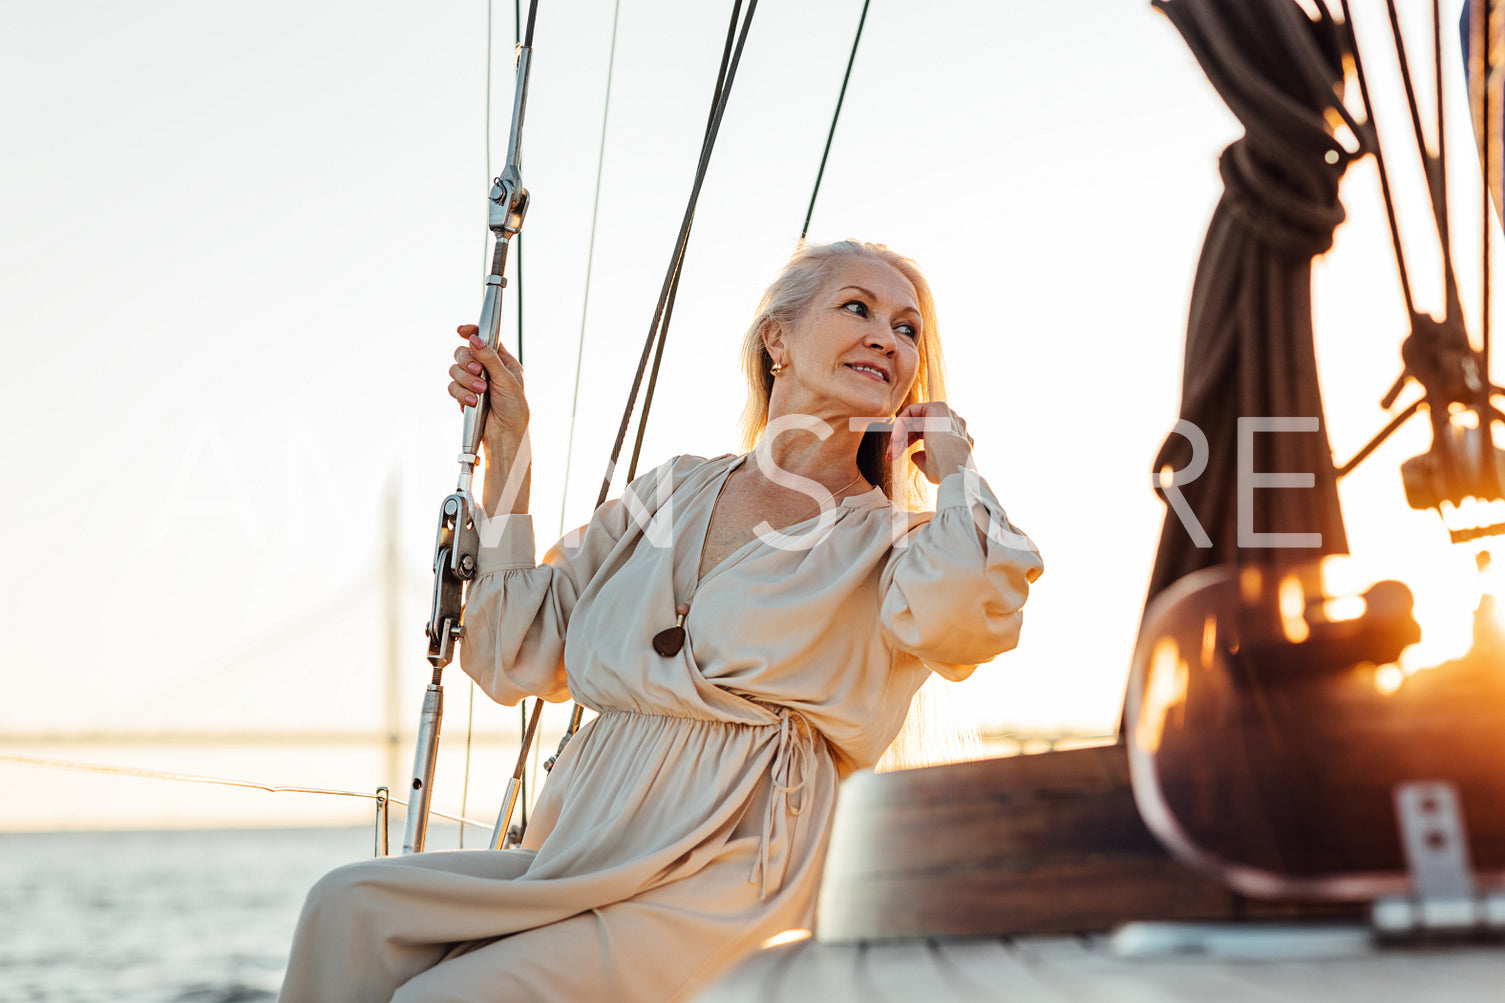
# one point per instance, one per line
(667, 642)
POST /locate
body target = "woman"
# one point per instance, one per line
(686, 823)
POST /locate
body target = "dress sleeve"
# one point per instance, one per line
(517, 611)
(954, 590)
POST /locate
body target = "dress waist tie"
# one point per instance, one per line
(791, 763)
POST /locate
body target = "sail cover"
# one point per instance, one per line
(1249, 354)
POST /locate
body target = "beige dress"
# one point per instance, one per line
(686, 823)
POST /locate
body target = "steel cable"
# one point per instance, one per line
(1371, 138)
(132, 771)
(831, 134)
(663, 333)
(722, 92)
(590, 258)
(676, 260)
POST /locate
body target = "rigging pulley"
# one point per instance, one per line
(1463, 461)
(458, 541)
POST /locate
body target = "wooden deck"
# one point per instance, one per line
(1032, 879)
(1088, 970)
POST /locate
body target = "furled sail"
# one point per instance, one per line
(1249, 353)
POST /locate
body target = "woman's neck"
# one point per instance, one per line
(795, 449)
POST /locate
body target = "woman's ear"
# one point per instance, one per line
(773, 340)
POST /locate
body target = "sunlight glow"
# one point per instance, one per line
(1495, 612)
(787, 937)
(1445, 583)
(1471, 513)
(1249, 585)
(1164, 690)
(1388, 678)
(1491, 578)
(1446, 597)
(1462, 416)
(1341, 608)
(1292, 600)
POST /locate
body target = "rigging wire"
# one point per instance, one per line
(1431, 162)
(486, 230)
(517, 31)
(470, 710)
(132, 771)
(1442, 161)
(1479, 31)
(663, 334)
(1405, 76)
(470, 704)
(470, 728)
(486, 234)
(1371, 138)
(517, 294)
(831, 134)
(590, 258)
(723, 92)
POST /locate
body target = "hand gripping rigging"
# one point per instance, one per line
(457, 544)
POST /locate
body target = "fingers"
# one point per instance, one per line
(475, 362)
(475, 349)
(467, 383)
(497, 357)
(898, 441)
(928, 422)
(493, 375)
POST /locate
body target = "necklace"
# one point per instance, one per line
(669, 641)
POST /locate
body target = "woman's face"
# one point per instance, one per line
(856, 349)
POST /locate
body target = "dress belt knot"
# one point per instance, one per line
(788, 773)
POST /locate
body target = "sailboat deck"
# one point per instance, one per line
(1087, 970)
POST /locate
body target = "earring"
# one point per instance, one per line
(778, 367)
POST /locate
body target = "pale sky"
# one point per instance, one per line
(235, 242)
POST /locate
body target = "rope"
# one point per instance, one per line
(590, 258)
(132, 771)
(805, 230)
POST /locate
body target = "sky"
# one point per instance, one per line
(235, 242)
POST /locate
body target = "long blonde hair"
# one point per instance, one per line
(933, 731)
(785, 302)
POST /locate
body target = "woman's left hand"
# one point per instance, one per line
(948, 447)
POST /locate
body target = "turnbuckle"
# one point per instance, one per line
(508, 203)
(455, 551)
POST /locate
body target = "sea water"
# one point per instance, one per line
(186, 916)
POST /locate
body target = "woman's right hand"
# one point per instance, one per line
(497, 374)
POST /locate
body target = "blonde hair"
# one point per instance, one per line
(786, 301)
(932, 732)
